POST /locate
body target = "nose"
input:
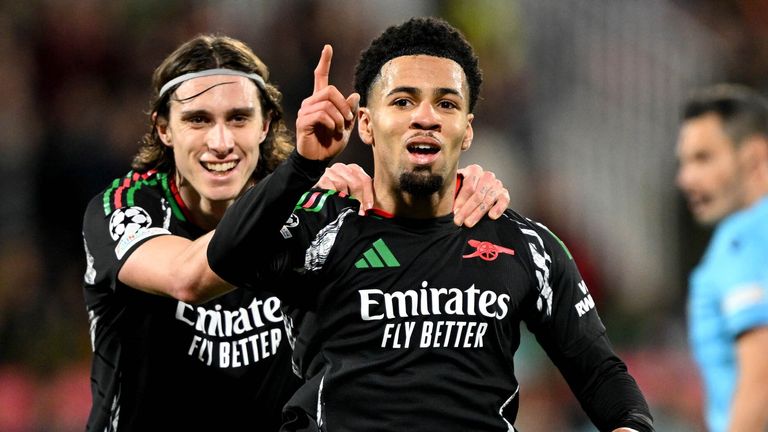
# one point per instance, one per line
(684, 177)
(425, 117)
(220, 140)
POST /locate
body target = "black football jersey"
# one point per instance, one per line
(162, 364)
(405, 324)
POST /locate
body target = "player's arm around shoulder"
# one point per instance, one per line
(176, 267)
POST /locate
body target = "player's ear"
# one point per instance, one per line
(466, 143)
(161, 126)
(749, 153)
(364, 128)
(265, 129)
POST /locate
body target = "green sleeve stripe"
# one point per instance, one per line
(309, 202)
(139, 184)
(131, 192)
(565, 248)
(107, 198)
(322, 200)
(301, 200)
(169, 195)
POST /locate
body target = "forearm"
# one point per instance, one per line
(748, 411)
(175, 267)
(617, 403)
(751, 395)
(198, 283)
(250, 228)
(606, 391)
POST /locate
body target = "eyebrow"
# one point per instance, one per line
(439, 92)
(249, 111)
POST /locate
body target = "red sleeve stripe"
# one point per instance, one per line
(118, 201)
(311, 200)
(114, 195)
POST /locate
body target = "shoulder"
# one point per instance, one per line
(531, 228)
(135, 196)
(125, 191)
(325, 202)
(130, 210)
(533, 239)
(742, 239)
(136, 188)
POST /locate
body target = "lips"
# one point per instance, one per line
(423, 149)
(697, 201)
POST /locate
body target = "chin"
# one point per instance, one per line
(421, 183)
(222, 193)
(708, 219)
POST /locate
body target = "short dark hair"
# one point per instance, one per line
(744, 111)
(210, 51)
(429, 36)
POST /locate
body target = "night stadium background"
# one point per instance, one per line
(578, 116)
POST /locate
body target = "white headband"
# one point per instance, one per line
(208, 72)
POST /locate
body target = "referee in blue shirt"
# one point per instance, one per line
(723, 172)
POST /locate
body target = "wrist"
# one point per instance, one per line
(312, 168)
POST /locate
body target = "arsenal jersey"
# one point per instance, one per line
(162, 364)
(410, 324)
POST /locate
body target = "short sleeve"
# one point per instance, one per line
(745, 301)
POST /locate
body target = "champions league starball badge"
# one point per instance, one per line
(128, 221)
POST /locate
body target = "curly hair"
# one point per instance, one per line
(209, 52)
(744, 111)
(429, 36)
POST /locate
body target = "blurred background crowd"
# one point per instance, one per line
(578, 117)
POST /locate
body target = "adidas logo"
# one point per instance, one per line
(378, 256)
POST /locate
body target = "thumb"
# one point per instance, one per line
(353, 100)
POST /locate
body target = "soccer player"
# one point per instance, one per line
(401, 321)
(723, 171)
(175, 347)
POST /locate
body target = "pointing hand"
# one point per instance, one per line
(326, 118)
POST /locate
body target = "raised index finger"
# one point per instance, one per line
(323, 68)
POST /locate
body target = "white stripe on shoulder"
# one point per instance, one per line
(743, 297)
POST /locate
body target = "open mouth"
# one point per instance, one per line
(219, 168)
(696, 203)
(423, 149)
